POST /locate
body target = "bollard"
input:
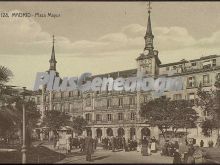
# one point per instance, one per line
(38, 159)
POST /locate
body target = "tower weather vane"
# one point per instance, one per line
(149, 6)
(53, 39)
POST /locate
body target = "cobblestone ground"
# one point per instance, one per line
(103, 156)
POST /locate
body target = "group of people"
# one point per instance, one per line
(76, 142)
(148, 145)
(169, 148)
(119, 143)
(185, 152)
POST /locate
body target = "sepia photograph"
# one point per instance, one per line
(110, 82)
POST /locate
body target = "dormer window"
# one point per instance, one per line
(193, 63)
(214, 62)
(206, 64)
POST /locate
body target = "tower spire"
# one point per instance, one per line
(149, 35)
(53, 58)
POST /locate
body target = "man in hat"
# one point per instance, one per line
(89, 147)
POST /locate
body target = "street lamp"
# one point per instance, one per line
(24, 149)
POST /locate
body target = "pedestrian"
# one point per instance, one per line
(68, 141)
(153, 144)
(190, 158)
(88, 147)
(177, 157)
(82, 144)
(144, 149)
(149, 148)
(201, 143)
(55, 142)
(176, 145)
(165, 148)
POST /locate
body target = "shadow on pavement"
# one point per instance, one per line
(100, 157)
(39, 154)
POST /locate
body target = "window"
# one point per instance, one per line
(98, 117)
(38, 99)
(167, 68)
(191, 96)
(62, 108)
(133, 114)
(177, 96)
(218, 76)
(191, 82)
(120, 101)
(61, 94)
(214, 62)
(88, 102)
(109, 117)
(78, 93)
(206, 64)
(71, 107)
(131, 100)
(53, 96)
(120, 116)
(88, 117)
(193, 63)
(108, 103)
(70, 94)
(145, 98)
(205, 79)
(164, 97)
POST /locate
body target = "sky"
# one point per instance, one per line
(101, 37)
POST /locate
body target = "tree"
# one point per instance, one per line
(79, 124)
(54, 120)
(31, 112)
(207, 127)
(5, 91)
(5, 74)
(209, 104)
(169, 114)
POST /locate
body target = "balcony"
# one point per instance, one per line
(116, 121)
(191, 85)
(206, 84)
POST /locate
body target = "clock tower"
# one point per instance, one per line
(148, 61)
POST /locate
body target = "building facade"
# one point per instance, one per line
(117, 113)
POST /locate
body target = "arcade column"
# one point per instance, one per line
(127, 134)
(138, 134)
(154, 132)
(115, 131)
(93, 132)
(104, 132)
(84, 133)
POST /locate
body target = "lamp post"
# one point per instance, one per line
(24, 149)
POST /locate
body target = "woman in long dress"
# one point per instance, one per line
(149, 148)
(144, 150)
(153, 145)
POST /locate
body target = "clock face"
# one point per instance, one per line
(148, 61)
(146, 52)
(149, 40)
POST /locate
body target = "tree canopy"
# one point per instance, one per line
(169, 114)
(54, 120)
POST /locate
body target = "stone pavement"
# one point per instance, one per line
(106, 156)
